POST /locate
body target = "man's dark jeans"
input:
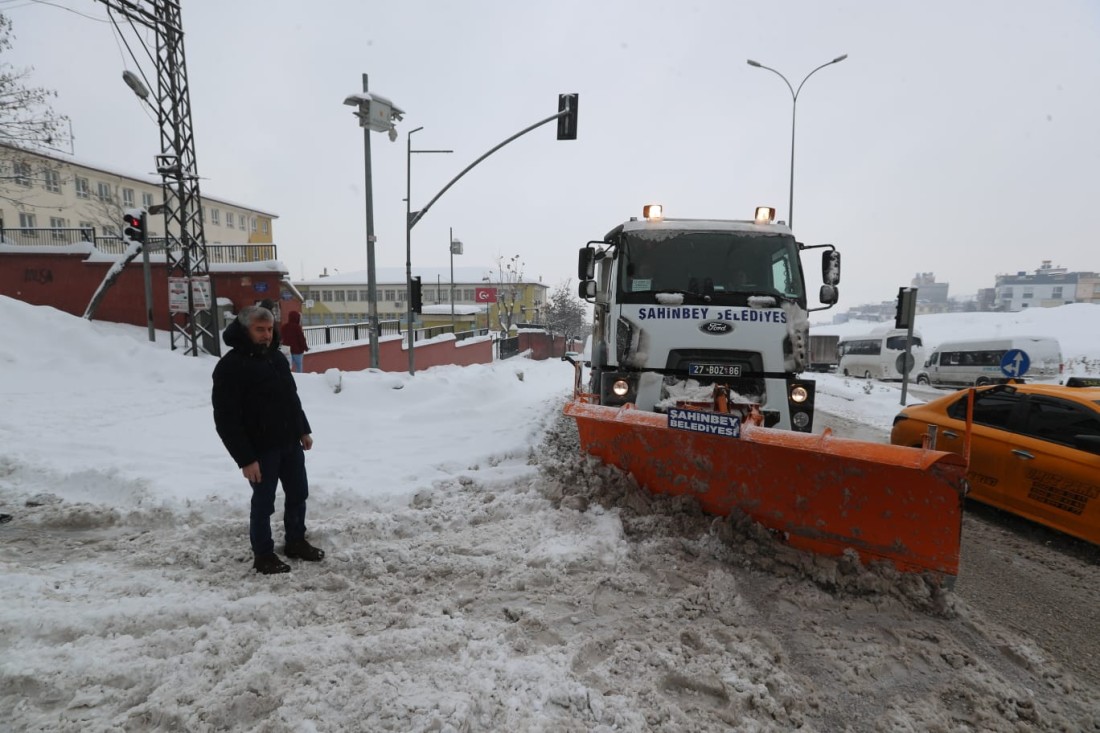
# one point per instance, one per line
(288, 465)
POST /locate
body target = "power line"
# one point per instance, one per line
(55, 5)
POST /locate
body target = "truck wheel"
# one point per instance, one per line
(846, 373)
(981, 381)
(867, 374)
(922, 379)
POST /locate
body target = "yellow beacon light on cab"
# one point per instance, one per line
(653, 212)
(765, 214)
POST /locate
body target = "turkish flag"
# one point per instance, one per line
(485, 295)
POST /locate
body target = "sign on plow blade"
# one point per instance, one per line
(818, 493)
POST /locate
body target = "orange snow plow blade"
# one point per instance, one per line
(818, 493)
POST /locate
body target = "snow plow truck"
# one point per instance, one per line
(699, 340)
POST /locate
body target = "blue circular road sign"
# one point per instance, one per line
(1015, 363)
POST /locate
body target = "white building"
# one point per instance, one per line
(343, 297)
(49, 198)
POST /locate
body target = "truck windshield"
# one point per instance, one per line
(725, 268)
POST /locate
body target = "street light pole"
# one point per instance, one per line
(376, 114)
(409, 214)
(456, 249)
(372, 282)
(794, 112)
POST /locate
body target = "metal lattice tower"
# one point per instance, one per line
(185, 241)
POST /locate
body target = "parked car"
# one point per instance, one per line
(1035, 449)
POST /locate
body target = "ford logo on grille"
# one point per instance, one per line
(715, 327)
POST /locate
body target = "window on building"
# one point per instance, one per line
(103, 191)
(251, 223)
(390, 295)
(86, 225)
(229, 220)
(1029, 292)
(23, 173)
(353, 295)
(400, 296)
(110, 231)
(53, 181)
(338, 295)
(28, 221)
(57, 222)
(1006, 293)
(82, 191)
(467, 294)
(326, 296)
(364, 295)
(1056, 291)
(266, 226)
(215, 216)
(128, 197)
(146, 199)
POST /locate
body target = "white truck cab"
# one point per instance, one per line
(682, 304)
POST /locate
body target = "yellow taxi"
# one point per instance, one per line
(1035, 448)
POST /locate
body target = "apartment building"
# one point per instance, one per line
(40, 191)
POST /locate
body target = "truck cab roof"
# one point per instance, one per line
(701, 225)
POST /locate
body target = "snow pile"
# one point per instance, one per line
(480, 575)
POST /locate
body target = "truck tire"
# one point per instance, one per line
(922, 379)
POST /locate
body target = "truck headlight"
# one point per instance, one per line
(800, 420)
(799, 394)
(621, 387)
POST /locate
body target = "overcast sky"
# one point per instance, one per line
(958, 137)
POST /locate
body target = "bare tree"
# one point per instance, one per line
(26, 121)
(508, 280)
(565, 313)
(26, 118)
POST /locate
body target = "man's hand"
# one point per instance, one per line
(252, 472)
(307, 441)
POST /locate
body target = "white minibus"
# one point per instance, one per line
(978, 361)
(878, 355)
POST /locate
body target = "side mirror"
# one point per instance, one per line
(829, 294)
(586, 266)
(587, 289)
(830, 268)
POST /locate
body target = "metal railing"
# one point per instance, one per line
(216, 254)
(221, 254)
(45, 237)
(347, 332)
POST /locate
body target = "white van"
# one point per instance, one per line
(879, 355)
(978, 362)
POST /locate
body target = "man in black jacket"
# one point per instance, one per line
(261, 422)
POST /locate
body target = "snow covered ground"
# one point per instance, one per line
(480, 575)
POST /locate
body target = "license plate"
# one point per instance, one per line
(714, 370)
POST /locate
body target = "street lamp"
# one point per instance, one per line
(456, 249)
(409, 217)
(375, 114)
(794, 109)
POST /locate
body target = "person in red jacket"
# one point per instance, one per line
(292, 335)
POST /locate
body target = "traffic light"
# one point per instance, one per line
(133, 225)
(567, 123)
(415, 295)
(906, 307)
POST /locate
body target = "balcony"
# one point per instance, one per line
(219, 254)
